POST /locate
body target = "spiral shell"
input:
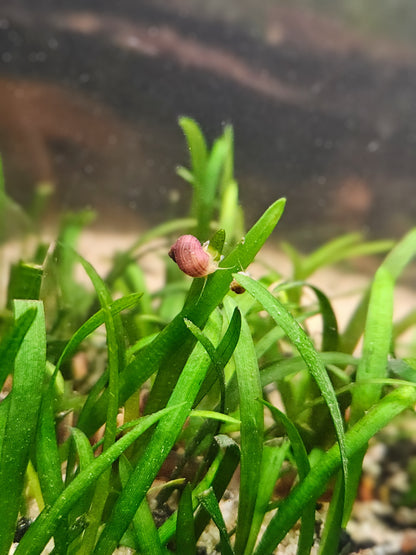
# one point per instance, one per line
(191, 257)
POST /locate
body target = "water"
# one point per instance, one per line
(323, 110)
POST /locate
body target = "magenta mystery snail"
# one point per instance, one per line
(196, 261)
(192, 257)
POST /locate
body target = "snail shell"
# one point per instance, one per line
(236, 287)
(191, 257)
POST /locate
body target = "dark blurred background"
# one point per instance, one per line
(321, 95)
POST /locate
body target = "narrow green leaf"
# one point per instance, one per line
(207, 192)
(299, 450)
(251, 429)
(24, 283)
(302, 462)
(47, 456)
(220, 360)
(329, 543)
(147, 537)
(185, 531)
(217, 363)
(196, 145)
(377, 340)
(215, 416)
(115, 342)
(307, 351)
(210, 503)
(276, 371)
(10, 345)
(83, 448)
(22, 418)
(117, 306)
(48, 462)
(271, 463)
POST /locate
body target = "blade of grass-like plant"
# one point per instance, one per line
(215, 416)
(350, 337)
(251, 428)
(278, 370)
(341, 248)
(146, 535)
(222, 478)
(45, 525)
(378, 328)
(330, 325)
(25, 281)
(329, 320)
(274, 335)
(115, 343)
(4, 411)
(10, 345)
(22, 418)
(217, 364)
(48, 462)
(83, 447)
(78, 513)
(231, 216)
(65, 254)
(404, 324)
(329, 541)
(185, 531)
(377, 341)
(302, 462)
(210, 503)
(307, 351)
(176, 335)
(82, 333)
(271, 463)
(117, 306)
(314, 484)
(207, 170)
(197, 146)
(160, 443)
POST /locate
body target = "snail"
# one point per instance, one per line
(192, 257)
(236, 287)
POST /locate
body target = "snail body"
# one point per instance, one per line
(192, 257)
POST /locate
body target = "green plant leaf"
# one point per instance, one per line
(11, 343)
(271, 463)
(22, 417)
(185, 531)
(210, 503)
(307, 351)
(251, 428)
(302, 462)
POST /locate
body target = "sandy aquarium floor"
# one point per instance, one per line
(377, 526)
